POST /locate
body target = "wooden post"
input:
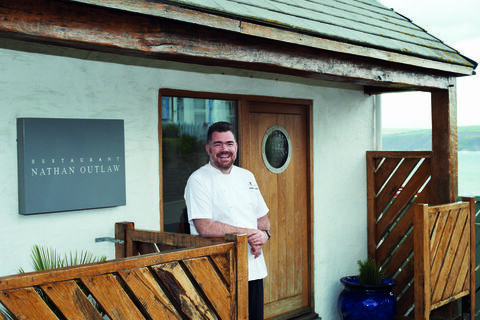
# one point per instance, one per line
(241, 266)
(121, 234)
(371, 219)
(444, 146)
(471, 297)
(421, 257)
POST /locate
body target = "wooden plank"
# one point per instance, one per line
(400, 154)
(401, 255)
(439, 222)
(456, 281)
(384, 172)
(68, 273)
(422, 263)
(442, 252)
(241, 271)
(71, 301)
(146, 247)
(472, 209)
(399, 230)
(149, 293)
(447, 301)
(444, 145)
(223, 264)
(212, 285)
(402, 200)
(452, 240)
(182, 291)
(404, 277)
(120, 234)
(406, 301)
(171, 239)
(25, 303)
(110, 295)
(393, 185)
(371, 195)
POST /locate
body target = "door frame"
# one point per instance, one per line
(243, 101)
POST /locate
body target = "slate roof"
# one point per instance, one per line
(366, 23)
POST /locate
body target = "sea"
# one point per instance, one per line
(469, 173)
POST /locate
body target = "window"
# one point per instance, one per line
(185, 122)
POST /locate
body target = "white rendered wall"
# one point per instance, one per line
(36, 83)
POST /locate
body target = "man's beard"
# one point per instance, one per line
(223, 164)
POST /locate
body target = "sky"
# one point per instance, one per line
(457, 24)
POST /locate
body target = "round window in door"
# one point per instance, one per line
(276, 149)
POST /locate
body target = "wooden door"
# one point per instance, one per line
(288, 288)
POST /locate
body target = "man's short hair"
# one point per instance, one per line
(220, 126)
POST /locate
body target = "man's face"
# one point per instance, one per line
(222, 150)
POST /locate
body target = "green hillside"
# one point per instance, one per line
(416, 140)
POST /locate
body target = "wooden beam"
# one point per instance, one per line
(272, 31)
(444, 146)
(104, 29)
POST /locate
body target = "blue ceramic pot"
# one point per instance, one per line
(367, 302)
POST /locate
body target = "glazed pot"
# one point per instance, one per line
(367, 302)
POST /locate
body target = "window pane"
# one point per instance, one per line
(185, 123)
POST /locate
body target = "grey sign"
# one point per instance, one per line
(70, 164)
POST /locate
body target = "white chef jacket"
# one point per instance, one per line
(233, 198)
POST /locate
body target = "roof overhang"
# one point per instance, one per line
(245, 27)
(162, 31)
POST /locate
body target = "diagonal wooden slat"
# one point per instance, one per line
(403, 199)
(149, 293)
(392, 240)
(452, 240)
(111, 296)
(462, 256)
(437, 260)
(398, 232)
(127, 288)
(213, 287)
(179, 285)
(405, 303)
(71, 301)
(438, 223)
(401, 255)
(394, 183)
(222, 262)
(384, 171)
(404, 277)
(26, 303)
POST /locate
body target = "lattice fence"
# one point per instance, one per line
(396, 180)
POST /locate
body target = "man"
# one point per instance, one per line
(223, 199)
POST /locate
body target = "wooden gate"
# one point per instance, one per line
(444, 256)
(198, 279)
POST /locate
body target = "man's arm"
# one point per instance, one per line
(263, 223)
(260, 237)
(209, 228)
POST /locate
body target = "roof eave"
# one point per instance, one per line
(177, 13)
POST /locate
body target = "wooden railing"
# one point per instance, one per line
(444, 256)
(191, 278)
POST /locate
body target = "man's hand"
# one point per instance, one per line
(256, 251)
(257, 237)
